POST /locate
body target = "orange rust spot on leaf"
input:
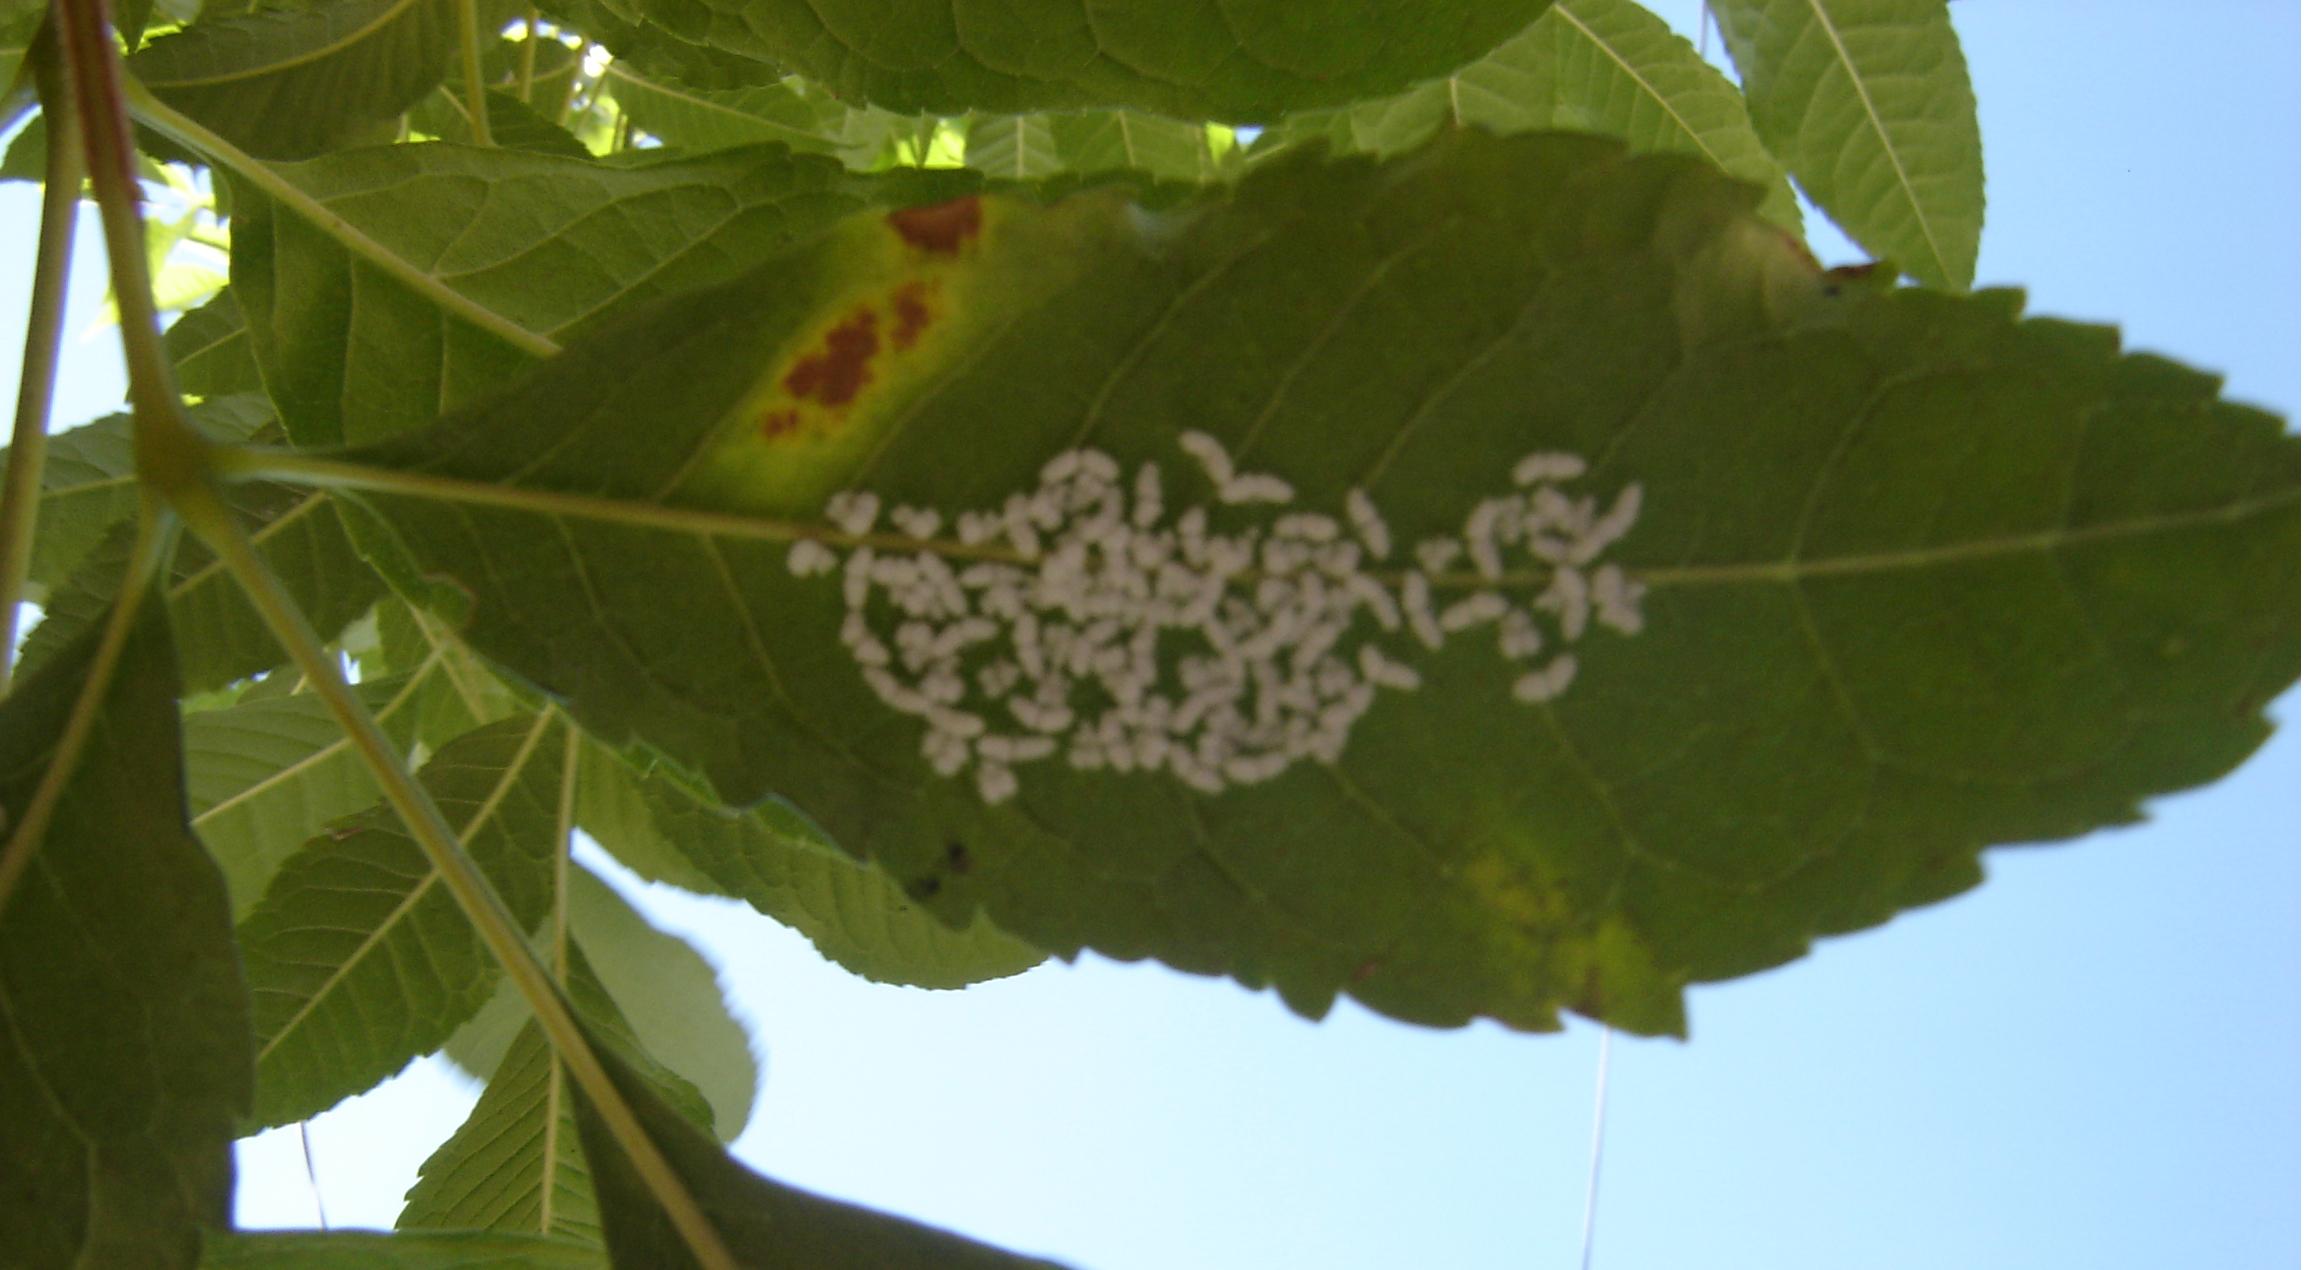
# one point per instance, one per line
(910, 304)
(834, 375)
(940, 228)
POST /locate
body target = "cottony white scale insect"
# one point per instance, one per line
(1121, 637)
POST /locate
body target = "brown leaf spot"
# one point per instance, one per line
(776, 423)
(940, 228)
(910, 304)
(1366, 968)
(834, 375)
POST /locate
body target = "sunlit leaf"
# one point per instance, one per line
(1868, 103)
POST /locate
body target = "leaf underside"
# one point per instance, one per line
(1918, 577)
(123, 1018)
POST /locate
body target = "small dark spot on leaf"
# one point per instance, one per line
(939, 228)
(775, 423)
(924, 888)
(912, 314)
(1366, 968)
(834, 375)
(956, 857)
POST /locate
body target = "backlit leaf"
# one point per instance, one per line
(773, 859)
(370, 1250)
(1245, 61)
(763, 1223)
(266, 775)
(1768, 546)
(358, 958)
(1868, 103)
(123, 1017)
(289, 82)
(1606, 66)
(1034, 147)
(353, 350)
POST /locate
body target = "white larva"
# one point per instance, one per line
(1416, 601)
(1368, 523)
(1543, 466)
(1213, 457)
(808, 557)
(1548, 683)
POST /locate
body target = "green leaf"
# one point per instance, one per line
(370, 1250)
(363, 338)
(652, 978)
(285, 83)
(516, 1148)
(358, 960)
(123, 1018)
(1605, 66)
(1246, 61)
(672, 996)
(88, 483)
(512, 123)
(773, 859)
(210, 348)
(792, 113)
(1860, 522)
(264, 776)
(520, 1142)
(1034, 147)
(1868, 102)
(220, 638)
(763, 1223)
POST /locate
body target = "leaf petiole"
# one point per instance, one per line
(43, 333)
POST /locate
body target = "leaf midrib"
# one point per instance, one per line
(711, 523)
(1880, 128)
(1563, 10)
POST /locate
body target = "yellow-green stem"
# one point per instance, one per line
(528, 60)
(208, 517)
(43, 335)
(475, 91)
(170, 454)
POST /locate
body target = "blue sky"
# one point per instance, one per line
(2090, 1061)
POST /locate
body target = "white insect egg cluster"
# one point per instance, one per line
(1084, 624)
